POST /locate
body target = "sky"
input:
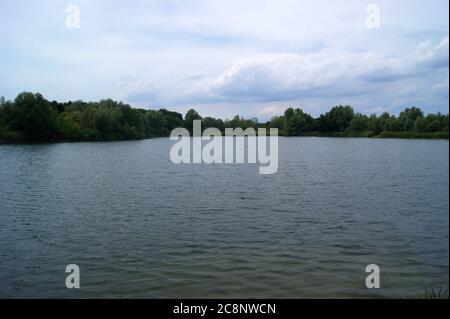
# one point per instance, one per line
(254, 58)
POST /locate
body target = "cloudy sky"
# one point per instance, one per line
(226, 57)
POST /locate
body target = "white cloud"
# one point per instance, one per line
(287, 76)
(271, 111)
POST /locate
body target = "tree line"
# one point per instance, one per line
(32, 118)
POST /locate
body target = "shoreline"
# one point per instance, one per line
(418, 136)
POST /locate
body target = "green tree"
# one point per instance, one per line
(277, 122)
(69, 129)
(435, 123)
(191, 115)
(392, 124)
(421, 124)
(297, 122)
(337, 120)
(173, 119)
(408, 118)
(156, 124)
(373, 124)
(359, 123)
(34, 118)
(208, 122)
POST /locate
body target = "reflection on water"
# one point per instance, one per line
(141, 227)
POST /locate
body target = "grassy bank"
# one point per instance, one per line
(368, 134)
(412, 134)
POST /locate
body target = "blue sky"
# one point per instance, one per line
(226, 57)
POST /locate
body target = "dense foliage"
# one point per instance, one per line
(31, 118)
(343, 121)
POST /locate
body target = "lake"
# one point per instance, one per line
(140, 226)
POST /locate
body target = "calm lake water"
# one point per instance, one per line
(141, 227)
